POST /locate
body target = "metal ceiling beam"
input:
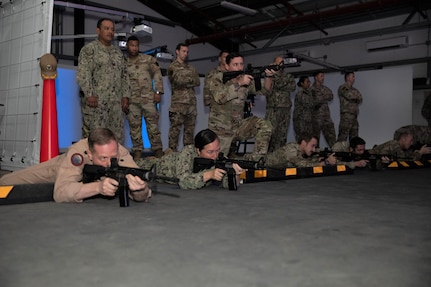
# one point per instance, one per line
(205, 15)
(209, 18)
(290, 6)
(361, 7)
(269, 43)
(118, 12)
(334, 39)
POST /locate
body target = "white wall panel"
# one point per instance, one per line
(25, 35)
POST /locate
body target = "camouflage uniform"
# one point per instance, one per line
(350, 98)
(426, 109)
(393, 148)
(343, 146)
(207, 93)
(421, 134)
(226, 117)
(322, 121)
(303, 113)
(290, 156)
(102, 73)
(179, 165)
(142, 70)
(183, 78)
(278, 108)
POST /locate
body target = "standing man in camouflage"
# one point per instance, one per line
(102, 77)
(208, 97)
(143, 69)
(426, 109)
(322, 121)
(350, 98)
(279, 104)
(183, 111)
(303, 111)
(226, 117)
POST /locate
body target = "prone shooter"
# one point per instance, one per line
(95, 172)
(366, 156)
(226, 164)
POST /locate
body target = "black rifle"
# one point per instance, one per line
(93, 173)
(256, 73)
(226, 164)
(349, 156)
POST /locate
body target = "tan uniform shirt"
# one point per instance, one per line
(64, 170)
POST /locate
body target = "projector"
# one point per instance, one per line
(142, 30)
(164, 56)
(291, 61)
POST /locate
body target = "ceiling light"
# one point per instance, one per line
(238, 8)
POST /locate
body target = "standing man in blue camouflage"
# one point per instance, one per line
(183, 111)
(322, 121)
(143, 69)
(102, 77)
(279, 104)
(350, 98)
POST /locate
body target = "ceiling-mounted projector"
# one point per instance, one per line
(164, 56)
(142, 30)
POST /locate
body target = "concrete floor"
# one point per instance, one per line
(365, 229)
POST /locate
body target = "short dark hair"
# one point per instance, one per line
(233, 55)
(100, 136)
(204, 137)
(317, 72)
(222, 52)
(355, 141)
(403, 133)
(305, 137)
(99, 23)
(181, 45)
(347, 73)
(301, 80)
(132, 38)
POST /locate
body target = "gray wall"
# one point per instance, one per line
(383, 109)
